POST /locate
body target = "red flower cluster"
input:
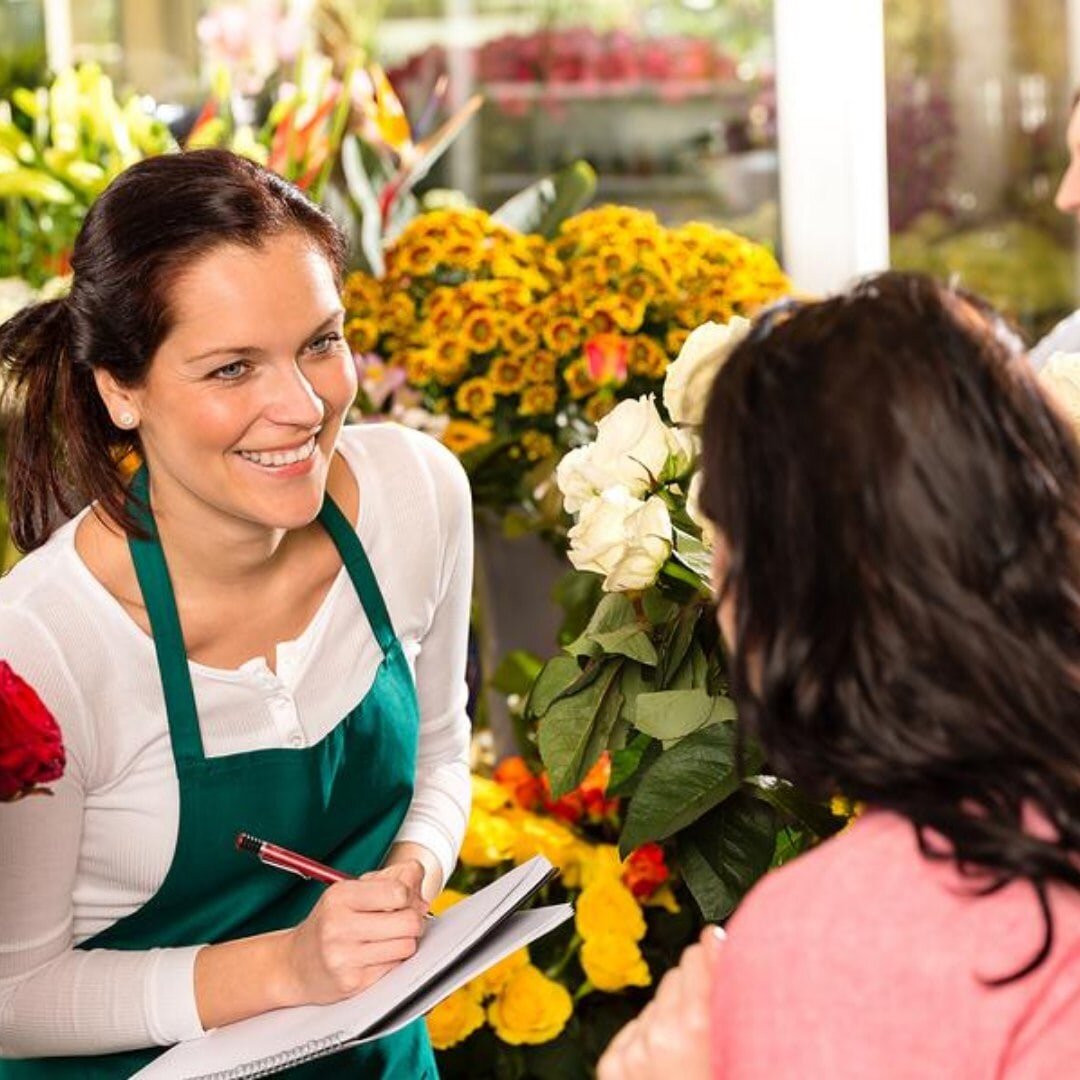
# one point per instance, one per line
(645, 870)
(31, 750)
(588, 802)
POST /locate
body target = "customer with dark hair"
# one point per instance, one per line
(898, 565)
(262, 629)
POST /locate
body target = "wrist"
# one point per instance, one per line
(284, 983)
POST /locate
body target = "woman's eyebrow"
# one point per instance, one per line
(255, 350)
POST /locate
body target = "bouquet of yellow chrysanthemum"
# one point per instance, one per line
(512, 347)
(553, 1006)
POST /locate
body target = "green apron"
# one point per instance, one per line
(340, 801)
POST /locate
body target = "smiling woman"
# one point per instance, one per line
(228, 639)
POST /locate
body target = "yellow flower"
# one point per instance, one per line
(613, 962)
(507, 375)
(455, 1018)
(398, 310)
(600, 860)
(475, 397)
(449, 361)
(489, 795)
(538, 400)
(489, 840)
(361, 334)
(530, 1009)
(495, 978)
(647, 358)
(519, 337)
(675, 339)
(419, 366)
(463, 435)
(540, 367)
(446, 899)
(563, 333)
(578, 380)
(480, 330)
(607, 906)
(536, 444)
(664, 897)
(417, 259)
(535, 835)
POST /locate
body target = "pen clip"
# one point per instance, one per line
(284, 866)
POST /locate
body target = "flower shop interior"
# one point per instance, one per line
(547, 204)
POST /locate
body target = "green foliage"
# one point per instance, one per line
(643, 676)
(543, 206)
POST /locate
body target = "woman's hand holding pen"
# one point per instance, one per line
(356, 932)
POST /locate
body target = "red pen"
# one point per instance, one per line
(284, 859)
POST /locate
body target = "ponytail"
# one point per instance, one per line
(55, 418)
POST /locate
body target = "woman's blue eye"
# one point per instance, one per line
(325, 343)
(231, 372)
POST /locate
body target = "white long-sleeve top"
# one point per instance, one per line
(100, 847)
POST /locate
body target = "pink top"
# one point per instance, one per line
(862, 959)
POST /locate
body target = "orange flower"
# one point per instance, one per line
(525, 787)
(588, 799)
(606, 355)
(645, 870)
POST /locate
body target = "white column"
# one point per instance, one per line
(57, 33)
(830, 71)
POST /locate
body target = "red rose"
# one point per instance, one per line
(31, 748)
(645, 870)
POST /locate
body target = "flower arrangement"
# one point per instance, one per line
(31, 748)
(551, 1008)
(59, 147)
(521, 345)
(645, 678)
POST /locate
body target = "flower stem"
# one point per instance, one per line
(557, 969)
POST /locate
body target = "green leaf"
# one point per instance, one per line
(33, 184)
(626, 763)
(629, 641)
(614, 629)
(674, 714)
(725, 852)
(676, 644)
(658, 608)
(685, 782)
(517, 672)
(555, 678)
(633, 684)
(543, 206)
(693, 554)
(576, 728)
(578, 593)
(362, 192)
(793, 804)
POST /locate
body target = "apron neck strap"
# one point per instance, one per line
(157, 591)
(363, 577)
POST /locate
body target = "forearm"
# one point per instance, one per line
(242, 978)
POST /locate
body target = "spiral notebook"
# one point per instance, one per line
(461, 943)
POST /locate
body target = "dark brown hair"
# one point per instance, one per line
(900, 503)
(153, 220)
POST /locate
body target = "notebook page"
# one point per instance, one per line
(278, 1032)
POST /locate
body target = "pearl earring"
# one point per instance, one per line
(127, 419)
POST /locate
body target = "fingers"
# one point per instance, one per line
(377, 892)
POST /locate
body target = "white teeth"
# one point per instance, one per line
(275, 459)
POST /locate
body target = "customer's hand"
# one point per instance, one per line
(671, 1036)
(357, 932)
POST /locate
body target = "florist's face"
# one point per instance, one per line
(245, 398)
(1068, 192)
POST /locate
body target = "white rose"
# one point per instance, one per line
(648, 535)
(688, 379)
(624, 538)
(1060, 378)
(634, 448)
(571, 474)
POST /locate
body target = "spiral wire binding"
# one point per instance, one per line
(298, 1055)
